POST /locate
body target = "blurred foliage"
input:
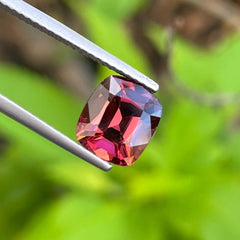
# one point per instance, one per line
(186, 185)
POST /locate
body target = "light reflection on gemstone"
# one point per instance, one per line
(119, 120)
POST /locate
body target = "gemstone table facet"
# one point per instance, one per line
(119, 120)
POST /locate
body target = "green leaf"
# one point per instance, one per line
(214, 70)
(118, 10)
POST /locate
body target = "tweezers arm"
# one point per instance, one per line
(22, 116)
(66, 35)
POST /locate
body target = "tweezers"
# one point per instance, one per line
(62, 33)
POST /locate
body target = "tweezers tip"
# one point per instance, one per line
(108, 168)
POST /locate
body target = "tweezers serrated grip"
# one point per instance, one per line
(69, 37)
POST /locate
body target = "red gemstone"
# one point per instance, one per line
(119, 120)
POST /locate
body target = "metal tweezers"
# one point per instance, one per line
(69, 37)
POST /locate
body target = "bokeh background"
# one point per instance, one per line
(186, 185)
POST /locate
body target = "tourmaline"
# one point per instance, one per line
(119, 120)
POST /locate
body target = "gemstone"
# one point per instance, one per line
(119, 120)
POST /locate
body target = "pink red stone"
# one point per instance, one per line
(119, 120)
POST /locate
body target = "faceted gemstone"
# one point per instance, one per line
(119, 120)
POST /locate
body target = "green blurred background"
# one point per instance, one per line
(185, 186)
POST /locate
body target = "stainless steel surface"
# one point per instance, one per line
(66, 35)
(19, 114)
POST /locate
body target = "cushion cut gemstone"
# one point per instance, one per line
(119, 120)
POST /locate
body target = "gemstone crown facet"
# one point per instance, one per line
(119, 120)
